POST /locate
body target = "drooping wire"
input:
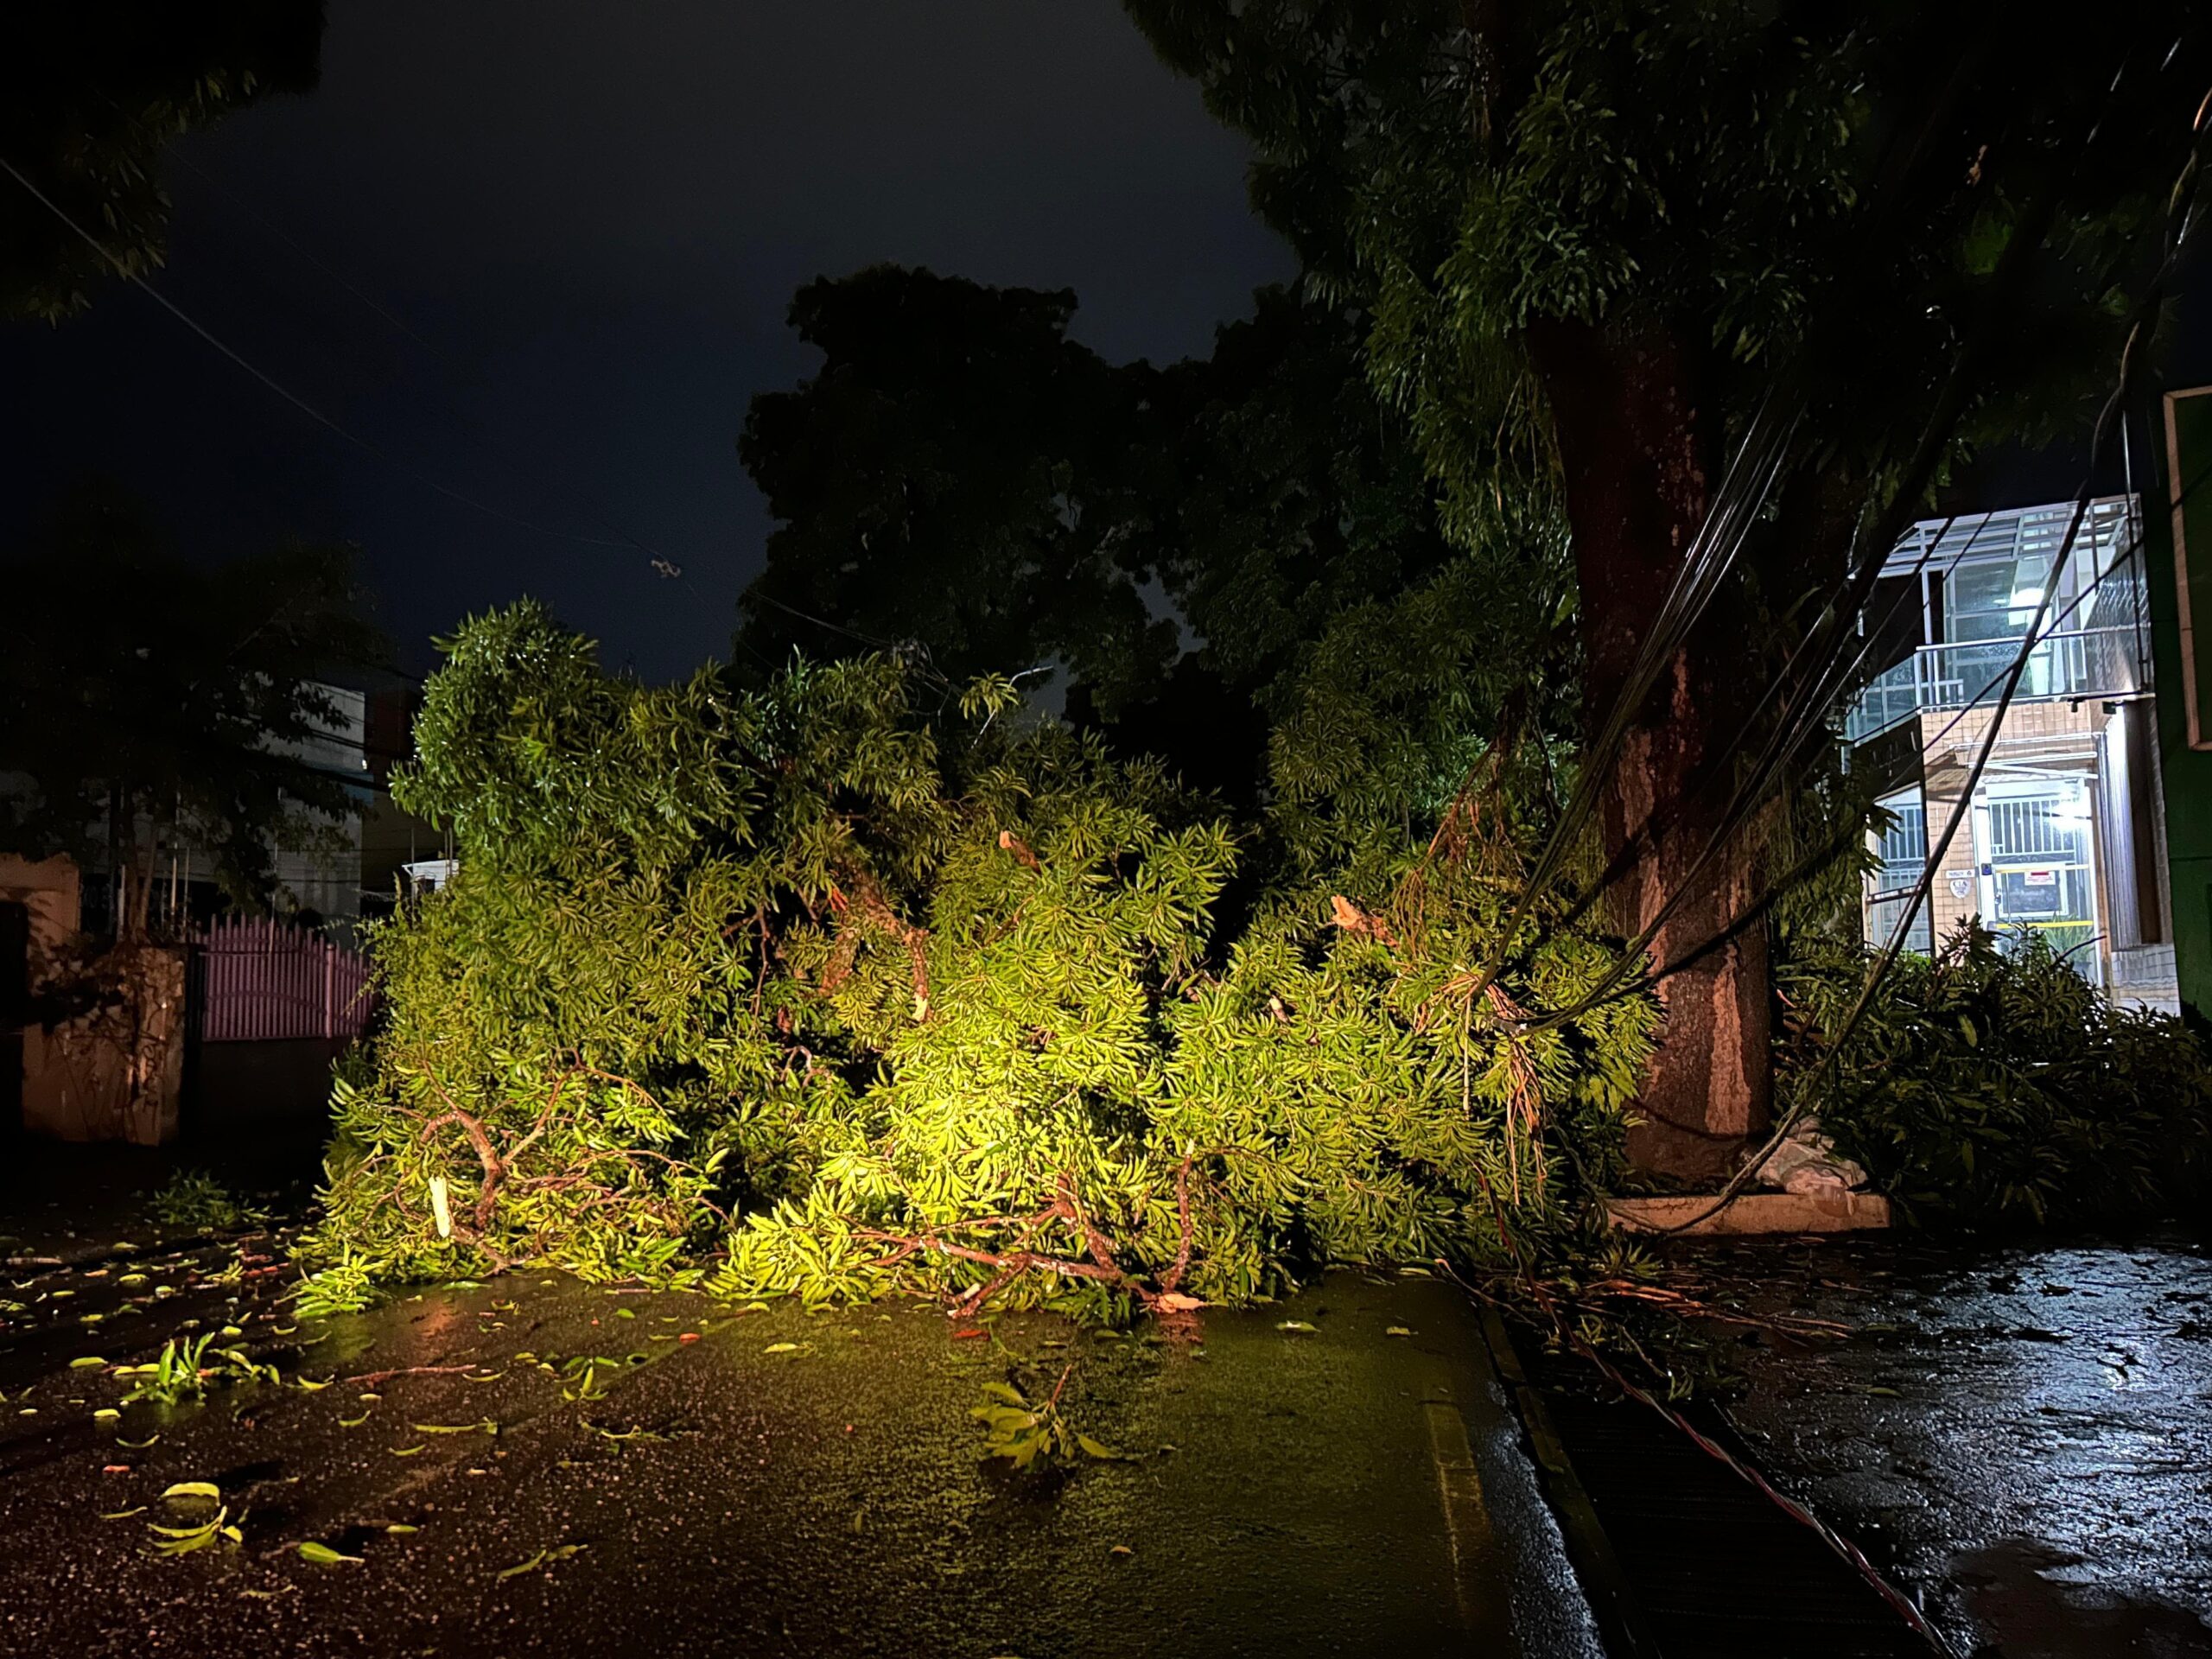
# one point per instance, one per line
(662, 564)
(367, 445)
(1622, 977)
(2182, 219)
(1737, 505)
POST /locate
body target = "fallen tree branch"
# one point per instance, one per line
(371, 1379)
(1007, 1266)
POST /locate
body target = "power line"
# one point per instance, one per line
(175, 158)
(297, 401)
(593, 509)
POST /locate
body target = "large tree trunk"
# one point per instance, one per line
(1636, 457)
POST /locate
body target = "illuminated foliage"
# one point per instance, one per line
(857, 982)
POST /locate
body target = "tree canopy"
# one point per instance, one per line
(952, 479)
(862, 989)
(961, 479)
(1608, 249)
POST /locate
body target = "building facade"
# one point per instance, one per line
(2062, 832)
(2177, 538)
(354, 868)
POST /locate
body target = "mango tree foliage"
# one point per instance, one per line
(1989, 1085)
(848, 984)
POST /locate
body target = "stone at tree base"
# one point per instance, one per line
(1826, 1212)
(1808, 1162)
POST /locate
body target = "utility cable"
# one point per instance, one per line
(662, 565)
(270, 381)
(1865, 570)
(2181, 219)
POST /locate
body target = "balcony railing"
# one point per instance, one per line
(2084, 662)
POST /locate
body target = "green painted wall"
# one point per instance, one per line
(2183, 466)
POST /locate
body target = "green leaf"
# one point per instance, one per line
(559, 1552)
(206, 1489)
(323, 1555)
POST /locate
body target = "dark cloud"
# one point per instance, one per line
(593, 217)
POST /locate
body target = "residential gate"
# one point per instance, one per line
(264, 981)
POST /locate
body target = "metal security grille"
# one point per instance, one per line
(1903, 855)
(2038, 872)
(2023, 830)
(1905, 844)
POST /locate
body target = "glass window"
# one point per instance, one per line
(1995, 599)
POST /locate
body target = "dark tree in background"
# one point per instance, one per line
(1347, 649)
(90, 91)
(961, 477)
(952, 477)
(146, 701)
(1595, 239)
(1278, 494)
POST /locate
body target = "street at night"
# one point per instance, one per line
(1110, 828)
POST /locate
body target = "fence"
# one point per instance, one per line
(264, 981)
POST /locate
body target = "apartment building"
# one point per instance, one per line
(2061, 835)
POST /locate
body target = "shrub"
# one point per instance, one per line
(1991, 1083)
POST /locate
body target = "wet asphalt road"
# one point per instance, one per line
(2023, 1436)
(1334, 1490)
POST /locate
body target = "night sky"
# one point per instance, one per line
(590, 220)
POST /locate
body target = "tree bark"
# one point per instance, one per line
(1635, 455)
